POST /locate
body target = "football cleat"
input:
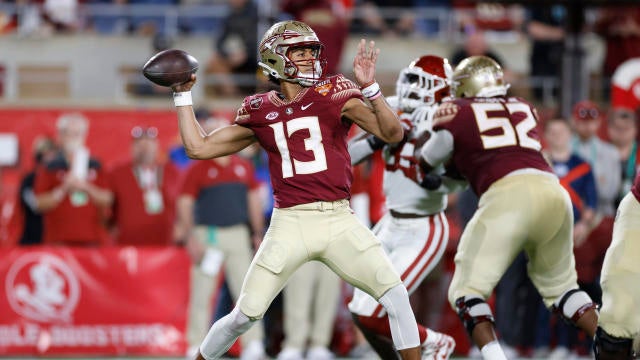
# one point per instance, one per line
(437, 346)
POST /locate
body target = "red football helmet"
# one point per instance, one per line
(426, 81)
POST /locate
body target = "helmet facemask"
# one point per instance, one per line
(418, 88)
(292, 68)
(425, 82)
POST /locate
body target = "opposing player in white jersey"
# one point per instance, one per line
(414, 231)
(303, 127)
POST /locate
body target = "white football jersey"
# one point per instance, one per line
(403, 194)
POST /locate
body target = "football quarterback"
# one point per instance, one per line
(303, 128)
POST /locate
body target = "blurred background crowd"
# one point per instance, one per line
(88, 147)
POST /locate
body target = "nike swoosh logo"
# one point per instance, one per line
(304, 107)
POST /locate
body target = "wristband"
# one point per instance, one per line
(182, 98)
(372, 91)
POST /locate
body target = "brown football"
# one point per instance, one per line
(170, 67)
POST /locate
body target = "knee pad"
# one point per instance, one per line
(473, 310)
(607, 347)
(572, 305)
(239, 321)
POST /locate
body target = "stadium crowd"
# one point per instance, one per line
(218, 210)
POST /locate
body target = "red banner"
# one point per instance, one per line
(109, 301)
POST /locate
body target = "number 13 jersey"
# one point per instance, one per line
(492, 137)
(305, 139)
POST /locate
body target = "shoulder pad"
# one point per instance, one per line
(249, 104)
(445, 113)
(342, 87)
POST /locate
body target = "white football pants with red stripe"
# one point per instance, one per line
(414, 246)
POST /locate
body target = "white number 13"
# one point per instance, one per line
(313, 143)
(508, 136)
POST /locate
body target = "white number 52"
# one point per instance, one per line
(511, 135)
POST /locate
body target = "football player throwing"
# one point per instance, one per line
(303, 127)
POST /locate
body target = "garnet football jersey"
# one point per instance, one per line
(306, 140)
(491, 138)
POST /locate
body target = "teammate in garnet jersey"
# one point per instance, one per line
(414, 231)
(303, 128)
(492, 141)
(619, 323)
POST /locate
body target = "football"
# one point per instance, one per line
(170, 67)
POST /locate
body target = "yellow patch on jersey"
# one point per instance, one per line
(323, 89)
(445, 113)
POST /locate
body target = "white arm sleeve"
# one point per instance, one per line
(359, 150)
(438, 148)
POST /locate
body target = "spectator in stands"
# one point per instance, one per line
(475, 43)
(602, 156)
(71, 189)
(622, 128)
(233, 61)
(545, 28)
(62, 16)
(220, 219)
(378, 17)
(44, 150)
(143, 23)
(577, 178)
(114, 22)
(487, 16)
(144, 192)
(330, 23)
(310, 304)
(619, 27)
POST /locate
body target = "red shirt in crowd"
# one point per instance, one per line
(144, 211)
(220, 191)
(76, 220)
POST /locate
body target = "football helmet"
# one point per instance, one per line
(426, 81)
(276, 46)
(479, 76)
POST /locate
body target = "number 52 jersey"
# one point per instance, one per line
(305, 139)
(492, 137)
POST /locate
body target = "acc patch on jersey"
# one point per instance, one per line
(255, 103)
(446, 112)
(323, 88)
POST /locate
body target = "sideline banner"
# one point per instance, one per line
(94, 301)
